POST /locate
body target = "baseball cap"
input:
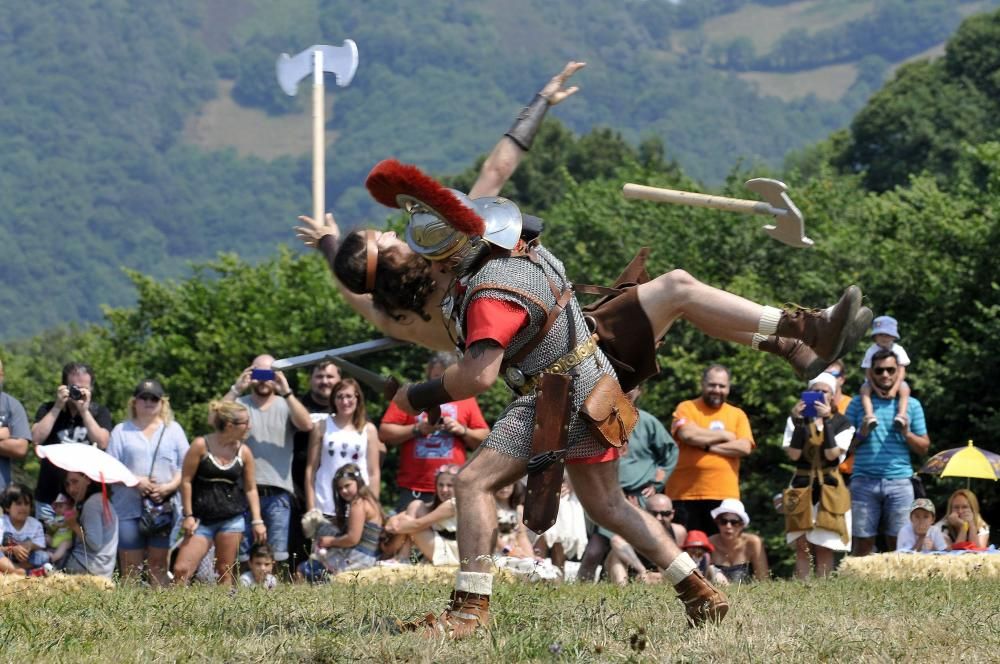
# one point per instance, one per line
(922, 504)
(150, 387)
(698, 538)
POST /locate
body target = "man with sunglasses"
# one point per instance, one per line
(881, 483)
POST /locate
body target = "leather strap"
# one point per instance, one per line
(371, 257)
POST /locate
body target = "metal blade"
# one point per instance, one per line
(385, 386)
(354, 349)
(341, 61)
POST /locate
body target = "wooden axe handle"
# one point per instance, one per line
(697, 200)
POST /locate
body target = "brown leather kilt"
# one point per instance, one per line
(623, 329)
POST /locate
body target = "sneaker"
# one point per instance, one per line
(899, 423)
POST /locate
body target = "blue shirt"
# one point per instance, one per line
(129, 445)
(885, 454)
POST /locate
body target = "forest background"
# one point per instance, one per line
(155, 137)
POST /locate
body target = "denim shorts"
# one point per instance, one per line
(209, 529)
(130, 539)
(876, 501)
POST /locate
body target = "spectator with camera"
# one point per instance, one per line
(152, 445)
(15, 434)
(74, 417)
(425, 446)
(275, 414)
(817, 503)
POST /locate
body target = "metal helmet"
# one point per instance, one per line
(429, 234)
(443, 221)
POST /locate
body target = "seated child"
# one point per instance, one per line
(917, 536)
(23, 536)
(884, 333)
(700, 549)
(354, 542)
(432, 529)
(261, 568)
(512, 538)
(58, 537)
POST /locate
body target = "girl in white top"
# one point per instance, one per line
(345, 437)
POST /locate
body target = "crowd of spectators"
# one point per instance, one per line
(288, 486)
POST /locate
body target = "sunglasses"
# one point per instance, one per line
(152, 398)
(729, 522)
(835, 373)
(884, 370)
(664, 513)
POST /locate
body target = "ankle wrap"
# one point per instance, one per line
(479, 583)
(769, 319)
(679, 570)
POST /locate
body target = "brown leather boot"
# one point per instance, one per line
(806, 363)
(823, 330)
(467, 612)
(703, 602)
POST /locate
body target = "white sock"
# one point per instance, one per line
(679, 570)
(766, 326)
(480, 583)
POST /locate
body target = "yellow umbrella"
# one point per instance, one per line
(968, 461)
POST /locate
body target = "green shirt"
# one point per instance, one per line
(649, 447)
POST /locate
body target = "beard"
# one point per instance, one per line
(713, 400)
(263, 389)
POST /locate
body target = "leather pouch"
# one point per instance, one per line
(609, 414)
(798, 509)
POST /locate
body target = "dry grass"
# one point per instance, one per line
(825, 82)
(911, 567)
(765, 25)
(222, 123)
(840, 620)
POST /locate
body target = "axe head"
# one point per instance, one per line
(341, 61)
(789, 226)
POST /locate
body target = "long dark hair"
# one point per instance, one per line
(402, 282)
(352, 471)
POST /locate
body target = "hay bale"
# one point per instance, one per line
(16, 586)
(399, 574)
(918, 566)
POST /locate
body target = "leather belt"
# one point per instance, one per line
(525, 385)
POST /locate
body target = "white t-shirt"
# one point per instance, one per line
(338, 448)
(31, 530)
(907, 539)
(247, 580)
(901, 357)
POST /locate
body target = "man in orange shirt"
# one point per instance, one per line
(713, 437)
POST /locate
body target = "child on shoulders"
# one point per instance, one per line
(885, 332)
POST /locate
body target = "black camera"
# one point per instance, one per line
(75, 393)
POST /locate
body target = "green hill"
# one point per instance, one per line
(147, 135)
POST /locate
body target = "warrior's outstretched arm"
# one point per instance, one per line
(506, 155)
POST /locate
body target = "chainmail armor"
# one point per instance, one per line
(521, 281)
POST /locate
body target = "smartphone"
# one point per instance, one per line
(261, 374)
(810, 398)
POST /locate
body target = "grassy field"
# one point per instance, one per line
(222, 123)
(825, 82)
(765, 25)
(837, 620)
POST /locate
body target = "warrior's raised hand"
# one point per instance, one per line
(553, 90)
(312, 231)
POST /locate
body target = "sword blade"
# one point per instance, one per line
(354, 349)
(385, 386)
